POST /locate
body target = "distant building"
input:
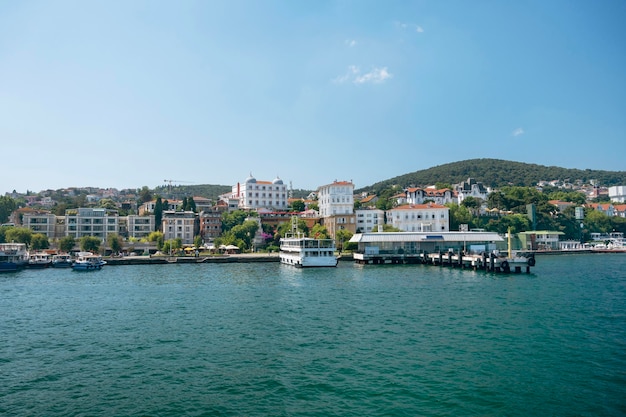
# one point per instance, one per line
(253, 194)
(180, 224)
(617, 194)
(471, 188)
(96, 222)
(421, 195)
(368, 219)
(41, 222)
(211, 222)
(429, 217)
(336, 206)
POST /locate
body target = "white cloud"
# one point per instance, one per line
(353, 74)
(404, 26)
(377, 75)
(517, 132)
(350, 42)
(350, 73)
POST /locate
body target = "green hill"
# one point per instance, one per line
(497, 173)
(491, 172)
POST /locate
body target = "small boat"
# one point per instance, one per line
(13, 257)
(304, 252)
(62, 260)
(87, 261)
(39, 260)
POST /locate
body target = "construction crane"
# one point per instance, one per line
(175, 181)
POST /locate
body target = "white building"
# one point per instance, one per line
(254, 194)
(420, 195)
(368, 219)
(420, 218)
(471, 188)
(617, 194)
(96, 222)
(44, 223)
(140, 226)
(179, 224)
(336, 206)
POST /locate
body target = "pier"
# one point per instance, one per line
(472, 250)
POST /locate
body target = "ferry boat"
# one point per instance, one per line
(13, 256)
(87, 261)
(39, 260)
(62, 260)
(305, 252)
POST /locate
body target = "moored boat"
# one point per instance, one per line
(39, 260)
(13, 256)
(88, 261)
(304, 252)
(62, 260)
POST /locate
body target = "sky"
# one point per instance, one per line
(127, 94)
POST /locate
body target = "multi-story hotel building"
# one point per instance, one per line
(254, 194)
(336, 206)
(429, 217)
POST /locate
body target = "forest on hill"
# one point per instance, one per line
(496, 173)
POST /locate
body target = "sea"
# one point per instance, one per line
(264, 339)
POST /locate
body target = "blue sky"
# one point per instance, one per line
(129, 93)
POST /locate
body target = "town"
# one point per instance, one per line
(253, 215)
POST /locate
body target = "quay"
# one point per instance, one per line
(476, 250)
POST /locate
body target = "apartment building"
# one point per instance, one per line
(368, 219)
(96, 222)
(44, 223)
(180, 224)
(211, 223)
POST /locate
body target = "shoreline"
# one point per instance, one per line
(250, 258)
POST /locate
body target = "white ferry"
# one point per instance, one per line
(304, 252)
(13, 256)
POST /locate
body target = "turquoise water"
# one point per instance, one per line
(270, 340)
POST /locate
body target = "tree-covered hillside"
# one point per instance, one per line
(201, 190)
(497, 173)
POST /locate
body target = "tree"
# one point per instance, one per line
(230, 220)
(19, 235)
(90, 244)
(39, 241)
(7, 206)
(472, 203)
(297, 205)
(66, 244)
(145, 195)
(108, 204)
(191, 204)
(460, 215)
(342, 236)
(319, 232)
(517, 223)
(115, 242)
(245, 233)
(158, 213)
(197, 241)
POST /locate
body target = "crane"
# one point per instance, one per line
(176, 181)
